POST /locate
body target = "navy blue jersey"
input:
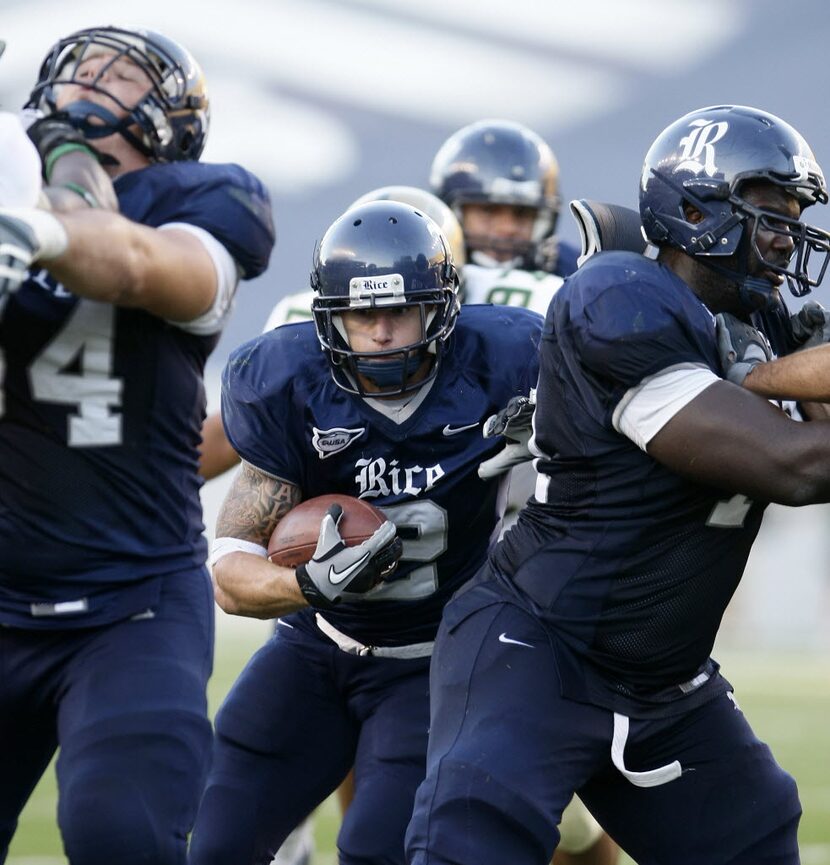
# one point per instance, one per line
(284, 415)
(225, 200)
(101, 418)
(630, 564)
(566, 258)
(775, 323)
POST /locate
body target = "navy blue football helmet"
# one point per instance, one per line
(375, 256)
(172, 118)
(704, 159)
(500, 162)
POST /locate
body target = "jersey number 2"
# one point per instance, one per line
(423, 525)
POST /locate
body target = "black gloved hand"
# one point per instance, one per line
(52, 132)
(811, 325)
(741, 347)
(515, 424)
(337, 572)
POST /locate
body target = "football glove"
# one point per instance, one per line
(811, 325)
(54, 135)
(741, 347)
(337, 572)
(17, 247)
(515, 424)
(26, 234)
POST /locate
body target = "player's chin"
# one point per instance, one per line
(502, 256)
(775, 286)
(774, 278)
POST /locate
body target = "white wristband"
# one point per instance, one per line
(49, 233)
(225, 546)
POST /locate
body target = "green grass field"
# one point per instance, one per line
(787, 699)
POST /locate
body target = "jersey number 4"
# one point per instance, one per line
(75, 368)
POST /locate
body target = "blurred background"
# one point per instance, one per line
(326, 99)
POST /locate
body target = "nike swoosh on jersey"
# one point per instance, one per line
(451, 431)
(337, 577)
(503, 638)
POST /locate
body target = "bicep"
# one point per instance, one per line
(169, 273)
(181, 278)
(254, 505)
(729, 438)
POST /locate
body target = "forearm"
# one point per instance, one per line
(803, 376)
(77, 182)
(248, 585)
(106, 258)
(728, 438)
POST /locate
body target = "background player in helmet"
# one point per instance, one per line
(410, 385)
(613, 581)
(104, 598)
(502, 182)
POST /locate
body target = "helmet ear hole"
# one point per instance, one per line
(186, 141)
(691, 213)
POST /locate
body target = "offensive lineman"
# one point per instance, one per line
(611, 586)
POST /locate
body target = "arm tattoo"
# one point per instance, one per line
(254, 505)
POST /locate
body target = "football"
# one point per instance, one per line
(295, 537)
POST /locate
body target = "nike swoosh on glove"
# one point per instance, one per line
(337, 572)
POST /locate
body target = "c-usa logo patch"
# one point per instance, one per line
(328, 442)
